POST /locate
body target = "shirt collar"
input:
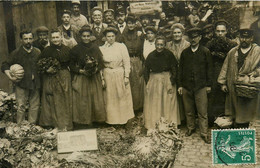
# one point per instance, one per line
(28, 50)
(66, 27)
(124, 24)
(108, 45)
(100, 26)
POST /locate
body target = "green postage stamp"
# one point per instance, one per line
(233, 146)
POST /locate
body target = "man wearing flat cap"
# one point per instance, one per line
(194, 82)
(242, 68)
(77, 19)
(98, 26)
(42, 41)
(219, 46)
(109, 17)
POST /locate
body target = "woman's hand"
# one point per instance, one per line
(126, 81)
(51, 70)
(82, 71)
(104, 84)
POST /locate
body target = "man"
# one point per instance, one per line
(98, 26)
(109, 17)
(121, 25)
(194, 81)
(68, 32)
(242, 65)
(219, 46)
(207, 34)
(77, 19)
(28, 88)
(256, 27)
(145, 21)
(42, 41)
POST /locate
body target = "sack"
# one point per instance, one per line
(224, 121)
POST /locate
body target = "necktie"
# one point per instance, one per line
(98, 29)
(121, 26)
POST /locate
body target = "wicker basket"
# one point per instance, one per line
(247, 91)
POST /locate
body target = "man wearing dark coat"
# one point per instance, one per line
(219, 46)
(194, 82)
(42, 41)
(28, 88)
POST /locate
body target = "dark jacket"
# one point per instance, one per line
(195, 69)
(29, 63)
(80, 52)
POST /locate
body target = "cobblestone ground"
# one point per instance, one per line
(195, 153)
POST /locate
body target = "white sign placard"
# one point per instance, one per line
(149, 7)
(72, 141)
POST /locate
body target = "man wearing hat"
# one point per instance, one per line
(194, 82)
(145, 21)
(68, 32)
(109, 17)
(42, 41)
(242, 65)
(98, 26)
(207, 34)
(219, 46)
(121, 24)
(77, 19)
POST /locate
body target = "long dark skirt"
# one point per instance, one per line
(88, 99)
(56, 101)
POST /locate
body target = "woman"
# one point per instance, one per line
(133, 42)
(149, 42)
(86, 65)
(119, 106)
(160, 95)
(176, 46)
(178, 43)
(56, 96)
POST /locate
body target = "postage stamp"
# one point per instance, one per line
(233, 146)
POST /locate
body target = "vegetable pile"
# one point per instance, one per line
(45, 63)
(29, 145)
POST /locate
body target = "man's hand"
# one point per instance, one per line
(180, 89)
(224, 88)
(10, 76)
(208, 89)
(126, 81)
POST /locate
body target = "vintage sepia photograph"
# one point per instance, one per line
(130, 84)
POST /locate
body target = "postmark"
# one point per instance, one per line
(233, 146)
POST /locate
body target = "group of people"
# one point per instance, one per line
(105, 72)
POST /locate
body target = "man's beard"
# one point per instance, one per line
(244, 44)
(43, 42)
(28, 46)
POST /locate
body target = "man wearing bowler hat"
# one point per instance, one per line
(194, 82)
(241, 66)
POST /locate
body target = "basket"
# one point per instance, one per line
(247, 91)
